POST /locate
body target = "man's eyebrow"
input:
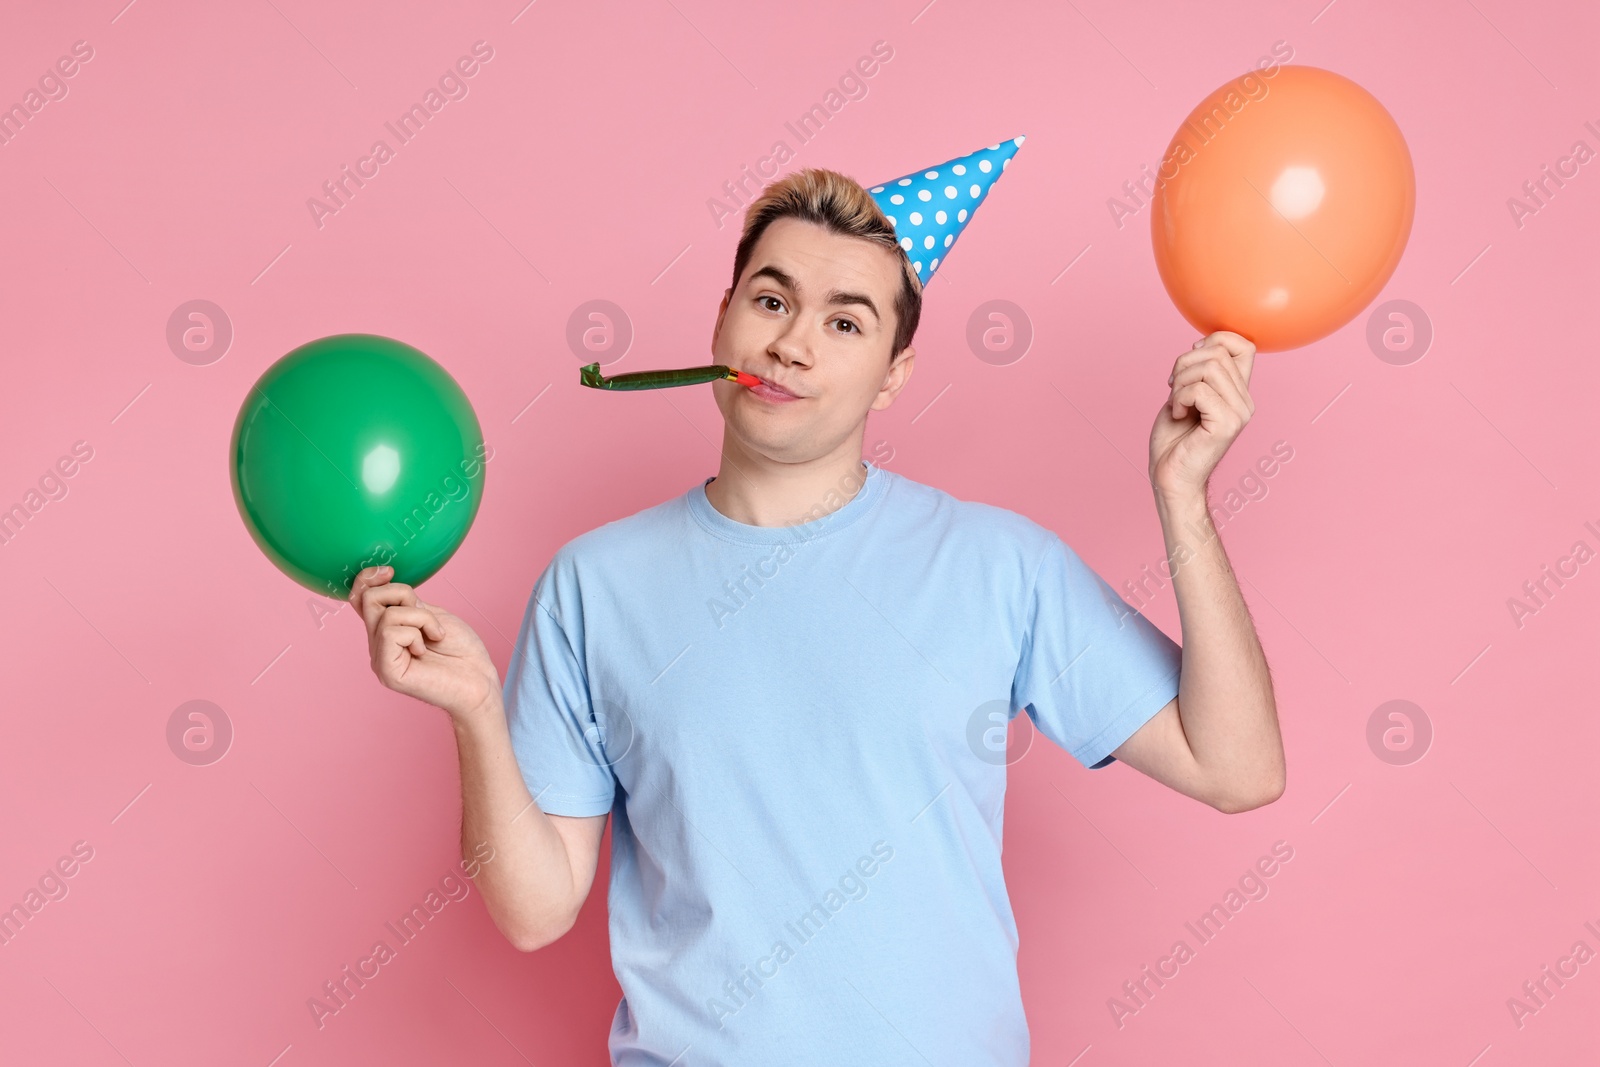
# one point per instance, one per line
(835, 296)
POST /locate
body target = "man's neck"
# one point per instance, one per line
(759, 492)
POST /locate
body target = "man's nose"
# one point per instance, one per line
(792, 346)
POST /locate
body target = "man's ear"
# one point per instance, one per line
(899, 374)
(727, 295)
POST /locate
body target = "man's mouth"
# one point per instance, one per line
(772, 392)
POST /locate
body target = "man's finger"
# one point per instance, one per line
(1211, 394)
(365, 580)
(1240, 348)
(419, 617)
(406, 637)
(389, 594)
(1197, 357)
(1230, 365)
(1207, 349)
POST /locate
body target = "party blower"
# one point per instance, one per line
(664, 379)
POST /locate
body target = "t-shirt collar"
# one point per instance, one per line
(719, 525)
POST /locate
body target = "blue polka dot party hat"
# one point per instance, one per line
(929, 208)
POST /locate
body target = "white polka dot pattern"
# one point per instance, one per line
(939, 229)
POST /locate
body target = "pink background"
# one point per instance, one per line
(1378, 565)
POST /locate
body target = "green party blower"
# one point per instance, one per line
(664, 379)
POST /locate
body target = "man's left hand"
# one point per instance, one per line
(1207, 408)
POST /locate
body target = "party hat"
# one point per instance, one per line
(929, 208)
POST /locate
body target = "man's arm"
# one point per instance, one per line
(543, 864)
(541, 867)
(1219, 740)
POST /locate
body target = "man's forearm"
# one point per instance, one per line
(529, 887)
(1225, 698)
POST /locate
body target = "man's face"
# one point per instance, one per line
(800, 317)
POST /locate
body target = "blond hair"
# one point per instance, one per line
(843, 206)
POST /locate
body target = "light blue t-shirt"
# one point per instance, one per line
(800, 734)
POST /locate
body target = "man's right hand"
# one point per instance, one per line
(422, 650)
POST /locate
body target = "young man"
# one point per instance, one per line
(785, 686)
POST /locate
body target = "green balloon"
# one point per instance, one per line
(355, 451)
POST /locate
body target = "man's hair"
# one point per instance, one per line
(841, 205)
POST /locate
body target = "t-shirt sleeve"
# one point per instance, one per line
(553, 731)
(1092, 669)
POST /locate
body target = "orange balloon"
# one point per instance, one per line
(1282, 206)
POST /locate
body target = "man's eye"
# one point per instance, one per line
(761, 301)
